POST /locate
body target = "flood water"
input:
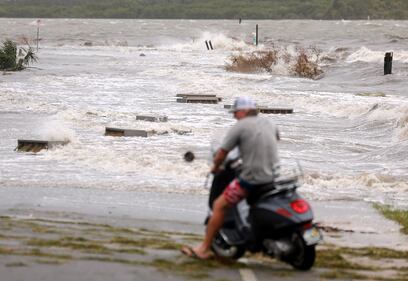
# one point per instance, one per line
(349, 130)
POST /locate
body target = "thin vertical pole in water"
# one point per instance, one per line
(210, 45)
(388, 63)
(206, 43)
(38, 32)
(240, 20)
(256, 42)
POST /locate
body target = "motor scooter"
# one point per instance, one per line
(274, 220)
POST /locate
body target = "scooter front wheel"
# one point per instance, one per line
(304, 256)
(222, 249)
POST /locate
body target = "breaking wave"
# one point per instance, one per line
(219, 41)
(365, 54)
(56, 130)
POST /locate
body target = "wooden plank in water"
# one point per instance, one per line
(37, 145)
(117, 132)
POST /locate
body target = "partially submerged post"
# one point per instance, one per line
(37, 145)
(388, 63)
(209, 42)
(206, 43)
(38, 32)
(256, 36)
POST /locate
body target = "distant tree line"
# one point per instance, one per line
(207, 9)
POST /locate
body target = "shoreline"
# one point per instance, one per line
(86, 234)
(345, 223)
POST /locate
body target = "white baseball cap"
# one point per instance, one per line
(242, 103)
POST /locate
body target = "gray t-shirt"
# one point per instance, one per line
(256, 138)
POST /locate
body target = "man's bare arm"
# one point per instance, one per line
(219, 159)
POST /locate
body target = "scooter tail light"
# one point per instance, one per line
(300, 206)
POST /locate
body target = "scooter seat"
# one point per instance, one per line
(258, 190)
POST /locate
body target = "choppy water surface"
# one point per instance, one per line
(350, 146)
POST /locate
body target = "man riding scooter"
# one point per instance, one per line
(256, 138)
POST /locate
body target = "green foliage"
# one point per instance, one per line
(208, 9)
(8, 55)
(400, 216)
(9, 60)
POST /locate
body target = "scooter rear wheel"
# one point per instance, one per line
(304, 256)
(222, 249)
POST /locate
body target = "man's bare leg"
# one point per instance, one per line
(214, 225)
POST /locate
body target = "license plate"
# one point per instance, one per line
(312, 236)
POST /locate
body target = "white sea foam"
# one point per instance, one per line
(134, 158)
(219, 41)
(363, 181)
(402, 127)
(56, 129)
(365, 54)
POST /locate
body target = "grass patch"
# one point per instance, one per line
(16, 264)
(42, 229)
(112, 260)
(131, 251)
(400, 216)
(332, 258)
(341, 274)
(50, 262)
(6, 251)
(153, 243)
(376, 253)
(38, 253)
(71, 243)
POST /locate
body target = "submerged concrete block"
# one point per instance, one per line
(116, 132)
(186, 96)
(208, 100)
(267, 110)
(37, 145)
(152, 118)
